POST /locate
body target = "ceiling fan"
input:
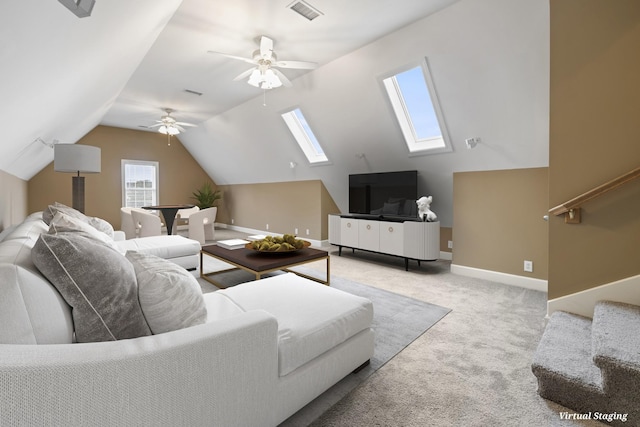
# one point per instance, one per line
(265, 74)
(169, 126)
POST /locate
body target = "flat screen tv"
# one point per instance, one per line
(385, 193)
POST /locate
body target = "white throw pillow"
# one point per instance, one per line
(63, 222)
(169, 295)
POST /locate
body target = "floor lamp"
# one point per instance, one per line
(76, 158)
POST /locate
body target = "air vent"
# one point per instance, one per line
(305, 9)
(193, 92)
(80, 8)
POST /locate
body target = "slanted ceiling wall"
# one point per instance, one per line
(490, 64)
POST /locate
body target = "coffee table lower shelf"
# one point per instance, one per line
(261, 264)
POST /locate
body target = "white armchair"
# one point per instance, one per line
(182, 218)
(146, 223)
(201, 224)
(126, 223)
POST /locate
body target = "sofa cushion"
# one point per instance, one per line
(219, 307)
(96, 281)
(32, 311)
(312, 318)
(63, 222)
(170, 297)
(28, 229)
(167, 247)
(98, 223)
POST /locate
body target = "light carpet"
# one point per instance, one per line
(398, 320)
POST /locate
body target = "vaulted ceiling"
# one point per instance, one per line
(63, 75)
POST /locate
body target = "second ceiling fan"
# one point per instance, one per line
(265, 74)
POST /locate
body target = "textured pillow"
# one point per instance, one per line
(97, 223)
(169, 295)
(63, 223)
(97, 282)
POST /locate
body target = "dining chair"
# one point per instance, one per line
(146, 223)
(201, 224)
(182, 218)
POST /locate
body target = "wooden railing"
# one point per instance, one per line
(571, 208)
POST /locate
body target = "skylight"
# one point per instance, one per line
(304, 136)
(416, 106)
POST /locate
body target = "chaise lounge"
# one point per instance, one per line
(250, 355)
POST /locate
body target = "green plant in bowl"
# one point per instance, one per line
(206, 196)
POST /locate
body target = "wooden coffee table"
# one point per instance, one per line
(261, 263)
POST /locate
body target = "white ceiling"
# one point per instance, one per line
(178, 60)
(61, 76)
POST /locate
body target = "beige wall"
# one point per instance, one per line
(13, 200)
(285, 206)
(180, 174)
(594, 137)
(498, 220)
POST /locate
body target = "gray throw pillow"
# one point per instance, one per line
(98, 223)
(169, 295)
(97, 282)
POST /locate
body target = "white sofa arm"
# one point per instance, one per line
(199, 376)
(119, 235)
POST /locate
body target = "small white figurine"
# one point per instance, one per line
(424, 213)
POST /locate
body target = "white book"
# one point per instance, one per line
(232, 243)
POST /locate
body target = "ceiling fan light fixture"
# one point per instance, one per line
(168, 130)
(266, 79)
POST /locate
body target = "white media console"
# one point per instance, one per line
(406, 238)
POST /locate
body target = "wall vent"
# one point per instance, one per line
(305, 9)
(80, 8)
(193, 92)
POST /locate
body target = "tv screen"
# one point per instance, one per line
(386, 193)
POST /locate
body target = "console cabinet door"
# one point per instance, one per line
(334, 230)
(391, 238)
(349, 232)
(369, 235)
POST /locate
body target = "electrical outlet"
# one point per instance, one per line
(307, 231)
(295, 231)
(450, 244)
(267, 226)
(231, 221)
(528, 266)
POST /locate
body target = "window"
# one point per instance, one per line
(139, 183)
(416, 106)
(304, 136)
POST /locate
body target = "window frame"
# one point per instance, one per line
(415, 146)
(302, 138)
(155, 164)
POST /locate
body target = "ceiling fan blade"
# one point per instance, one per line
(186, 124)
(266, 47)
(244, 74)
(156, 125)
(295, 64)
(180, 128)
(241, 58)
(285, 81)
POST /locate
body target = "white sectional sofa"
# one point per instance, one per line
(262, 351)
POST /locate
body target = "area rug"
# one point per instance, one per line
(397, 322)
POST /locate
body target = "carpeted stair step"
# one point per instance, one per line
(616, 348)
(563, 364)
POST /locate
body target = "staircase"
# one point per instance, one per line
(593, 366)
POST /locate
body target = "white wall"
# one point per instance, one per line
(490, 64)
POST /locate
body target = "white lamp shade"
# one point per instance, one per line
(76, 158)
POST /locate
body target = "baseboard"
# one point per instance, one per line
(254, 231)
(446, 255)
(504, 278)
(583, 302)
